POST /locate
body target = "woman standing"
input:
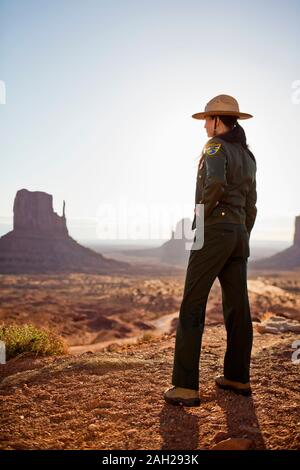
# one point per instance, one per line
(226, 186)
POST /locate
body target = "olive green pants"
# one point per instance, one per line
(224, 255)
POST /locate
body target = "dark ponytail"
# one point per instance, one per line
(235, 134)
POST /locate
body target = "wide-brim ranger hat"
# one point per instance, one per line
(222, 105)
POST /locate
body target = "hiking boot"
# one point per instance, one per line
(182, 396)
(237, 387)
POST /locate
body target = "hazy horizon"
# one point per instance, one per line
(87, 231)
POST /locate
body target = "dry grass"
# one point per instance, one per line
(22, 339)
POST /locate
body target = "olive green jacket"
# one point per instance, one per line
(226, 184)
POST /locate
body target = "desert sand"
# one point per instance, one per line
(107, 393)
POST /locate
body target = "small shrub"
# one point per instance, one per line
(147, 337)
(21, 339)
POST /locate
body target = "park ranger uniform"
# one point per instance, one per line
(226, 186)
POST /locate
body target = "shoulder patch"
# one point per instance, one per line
(212, 149)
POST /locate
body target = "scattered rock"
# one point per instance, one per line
(276, 325)
(220, 436)
(233, 444)
(93, 427)
(92, 404)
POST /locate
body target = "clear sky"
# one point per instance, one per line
(99, 98)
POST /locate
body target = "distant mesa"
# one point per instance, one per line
(174, 251)
(40, 242)
(284, 260)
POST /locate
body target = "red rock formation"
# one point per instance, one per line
(297, 231)
(33, 213)
(284, 260)
(40, 242)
